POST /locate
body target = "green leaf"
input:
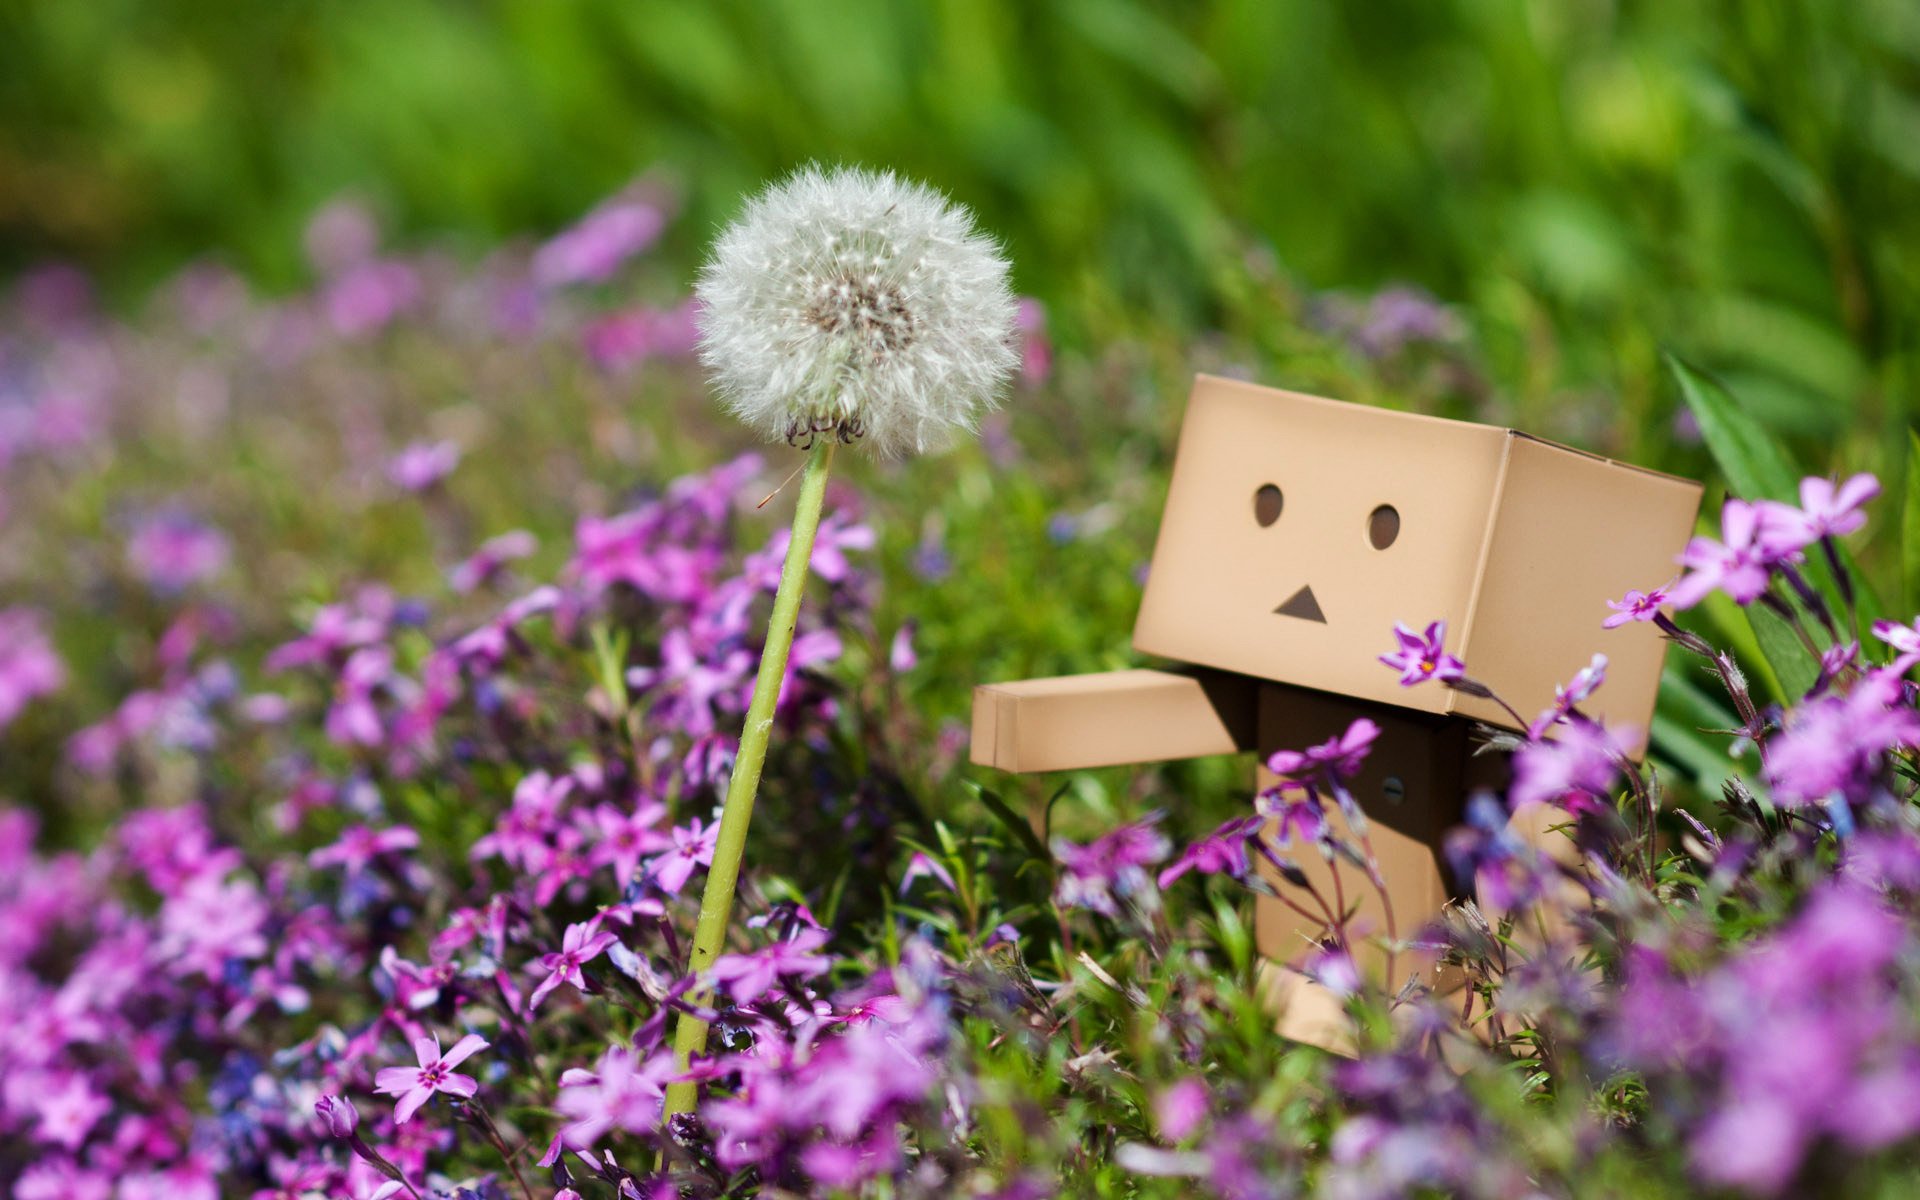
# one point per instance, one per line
(1796, 669)
(1019, 828)
(1910, 529)
(1754, 464)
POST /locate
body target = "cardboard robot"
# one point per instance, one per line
(1297, 532)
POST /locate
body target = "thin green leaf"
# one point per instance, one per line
(1796, 669)
(1754, 464)
(1018, 827)
(1910, 529)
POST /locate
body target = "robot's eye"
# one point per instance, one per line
(1267, 502)
(1383, 525)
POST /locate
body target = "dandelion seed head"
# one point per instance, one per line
(858, 305)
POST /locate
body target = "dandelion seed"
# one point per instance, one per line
(857, 305)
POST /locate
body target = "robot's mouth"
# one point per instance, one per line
(1302, 604)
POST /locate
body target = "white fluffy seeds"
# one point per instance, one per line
(855, 304)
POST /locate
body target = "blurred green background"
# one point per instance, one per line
(1587, 181)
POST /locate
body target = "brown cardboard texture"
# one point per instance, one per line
(1076, 722)
(1298, 530)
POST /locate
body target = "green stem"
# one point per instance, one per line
(716, 903)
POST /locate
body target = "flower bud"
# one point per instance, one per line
(339, 1115)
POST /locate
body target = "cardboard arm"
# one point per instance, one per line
(1073, 722)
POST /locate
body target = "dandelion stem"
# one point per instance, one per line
(716, 903)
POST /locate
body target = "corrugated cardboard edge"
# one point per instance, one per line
(1488, 533)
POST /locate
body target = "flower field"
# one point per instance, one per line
(375, 651)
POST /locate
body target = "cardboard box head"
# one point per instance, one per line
(1299, 530)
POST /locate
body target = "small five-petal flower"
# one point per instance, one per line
(416, 1085)
(1422, 656)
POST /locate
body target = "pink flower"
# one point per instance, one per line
(1224, 851)
(1422, 656)
(490, 559)
(692, 847)
(423, 464)
(920, 865)
(900, 656)
(366, 297)
(361, 844)
(579, 945)
(747, 977)
(1337, 758)
(29, 668)
(1636, 606)
(1826, 510)
(625, 1094)
(1835, 744)
(1905, 639)
(354, 719)
(1737, 565)
(1036, 352)
(1179, 1109)
(1575, 770)
(594, 249)
(171, 551)
(415, 1086)
(628, 837)
(68, 1111)
(520, 838)
(622, 341)
(1565, 698)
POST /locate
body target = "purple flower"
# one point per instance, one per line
(692, 847)
(1036, 352)
(171, 551)
(1224, 851)
(1826, 510)
(747, 977)
(1585, 682)
(627, 837)
(1637, 605)
(594, 249)
(1486, 850)
(1338, 758)
(336, 628)
(29, 668)
(1574, 770)
(1300, 815)
(422, 465)
(1091, 876)
(920, 864)
(209, 922)
(520, 837)
(1422, 656)
(354, 718)
(624, 1093)
(1835, 744)
(1179, 1109)
(1326, 767)
(68, 1111)
(338, 1114)
(415, 1086)
(366, 297)
(359, 845)
(490, 559)
(579, 945)
(1905, 639)
(622, 341)
(1737, 565)
(900, 656)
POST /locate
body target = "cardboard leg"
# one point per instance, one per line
(1410, 794)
